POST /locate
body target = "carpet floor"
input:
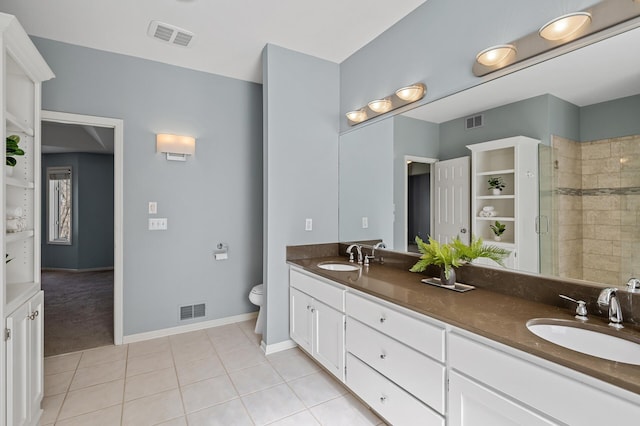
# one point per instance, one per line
(78, 310)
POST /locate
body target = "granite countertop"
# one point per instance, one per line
(496, 316)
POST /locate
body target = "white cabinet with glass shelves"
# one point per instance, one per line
(515, 161)
(22, 71)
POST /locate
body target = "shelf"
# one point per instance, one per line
(11, 181)
(496, 172)
(498, 218)
(15, 124)
(18, 293)
(11, 237)
(502, 244)
(495, 197)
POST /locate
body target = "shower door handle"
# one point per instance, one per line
(540, 221)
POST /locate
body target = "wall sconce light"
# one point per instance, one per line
(400, 98)
(175, 146)
(555, 33)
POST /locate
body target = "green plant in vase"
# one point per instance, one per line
(455, 254)
(496, 184)
(498, 229)
(13, 150)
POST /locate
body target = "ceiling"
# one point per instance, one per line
(60, 138)
(229, 34)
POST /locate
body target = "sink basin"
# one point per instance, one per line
(588, 339)
(338, 266)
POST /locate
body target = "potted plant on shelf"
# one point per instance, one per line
(496, 185)
(498, 229)
(455, 254)
(12, 150)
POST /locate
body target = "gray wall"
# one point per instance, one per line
(366, 183)
(301, 97)
(529, 117)
(92, 213)
(610, 119)
(215, 196)
(425, 46)
(411, 137)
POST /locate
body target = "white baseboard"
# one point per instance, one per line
(277, 347)
(132, 338)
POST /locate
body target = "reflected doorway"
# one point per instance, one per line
(419, 203)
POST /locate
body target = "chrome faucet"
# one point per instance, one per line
(350, 252)
(633, 285)
(608, 297)
(372, 256)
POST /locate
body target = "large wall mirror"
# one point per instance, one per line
(583, 107)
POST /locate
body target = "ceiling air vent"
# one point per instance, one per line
(192, 311)
(169, 33)
(473, 122)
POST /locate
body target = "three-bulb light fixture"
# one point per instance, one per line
(555, 33)
(401, 97)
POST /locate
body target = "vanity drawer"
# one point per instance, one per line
(324, 291)
(420, 375)
(390, 401)
(420, 335)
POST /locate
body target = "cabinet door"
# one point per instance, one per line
(328, 338)
(300, 321)
(472, 404)
(36, 354)
(18, 360)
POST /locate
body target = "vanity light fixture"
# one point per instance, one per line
(562, 34)
(411, 93)
(496, 55)
(401, 97)
(565, 26)
(380, 105)
(357, 116)
(175, 146)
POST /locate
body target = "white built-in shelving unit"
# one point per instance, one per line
(21, 300)
(515, 160)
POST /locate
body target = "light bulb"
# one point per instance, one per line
(496, 55)
(380, 105)
(565, 26)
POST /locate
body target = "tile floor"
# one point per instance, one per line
(217, 376)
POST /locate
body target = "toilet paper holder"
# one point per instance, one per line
(221, 252)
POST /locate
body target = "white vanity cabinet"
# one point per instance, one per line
(25, 349)
(395, 361)
(497, 385)
(317, 319)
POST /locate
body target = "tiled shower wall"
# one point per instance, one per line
(596, 206)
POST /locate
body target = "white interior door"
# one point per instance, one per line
(452, 192)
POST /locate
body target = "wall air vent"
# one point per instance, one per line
(473, 122)
(192, 311)
(169, 33)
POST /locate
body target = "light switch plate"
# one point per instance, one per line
(153, 207)
(308, 224)
(365, 222)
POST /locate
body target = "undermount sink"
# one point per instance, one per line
(588, 339)
(338, 266)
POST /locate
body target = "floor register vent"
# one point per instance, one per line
(192, 311)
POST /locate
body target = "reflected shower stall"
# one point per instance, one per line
(589, 221)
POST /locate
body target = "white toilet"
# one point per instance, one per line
(256, 297)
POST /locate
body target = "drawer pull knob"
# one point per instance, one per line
(313, 310)
(383, 356)
(383, 399)
(382, 320)
(308, 307)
